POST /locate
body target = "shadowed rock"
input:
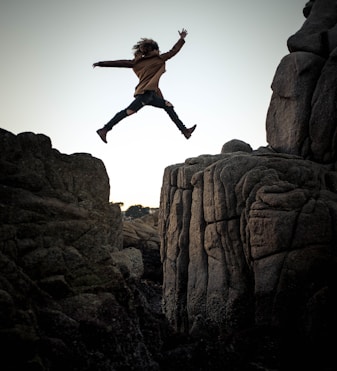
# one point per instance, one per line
(69, 293)
(248, 238)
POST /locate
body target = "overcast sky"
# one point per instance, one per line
(220, 80)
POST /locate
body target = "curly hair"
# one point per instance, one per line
(144, 46)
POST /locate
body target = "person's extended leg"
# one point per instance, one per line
(135, 106)
(174, 117)
(157, 101)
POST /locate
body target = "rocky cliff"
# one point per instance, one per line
(71, 294)
(248, 238)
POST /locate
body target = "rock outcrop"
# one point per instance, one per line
(142, 234)
(302, 114)
(71, 297)
(248, 238)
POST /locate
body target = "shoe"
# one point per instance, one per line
(188, 132)
(102, 133)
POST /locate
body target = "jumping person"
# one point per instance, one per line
(148, 64)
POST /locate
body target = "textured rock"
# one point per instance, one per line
(70, 295)
(317, 34)
(289, 111)
(322, 125)
(248, 240)
(236, 146)
(142, 234)
(301, 119)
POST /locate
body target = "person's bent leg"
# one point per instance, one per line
(131, 109)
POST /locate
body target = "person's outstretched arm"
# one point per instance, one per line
(120, 63)
(177, 46)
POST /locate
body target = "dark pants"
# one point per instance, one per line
(149, 98)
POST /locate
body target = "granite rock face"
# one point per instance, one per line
(249, 253)
(71, 297)
(245, 237)
(248, 237)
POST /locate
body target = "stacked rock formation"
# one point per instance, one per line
(248, 238)
(302, 115)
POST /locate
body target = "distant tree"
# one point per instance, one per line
(137, 211)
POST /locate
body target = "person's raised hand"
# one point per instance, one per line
(183, 33)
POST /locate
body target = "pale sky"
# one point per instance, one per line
(220, 80)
